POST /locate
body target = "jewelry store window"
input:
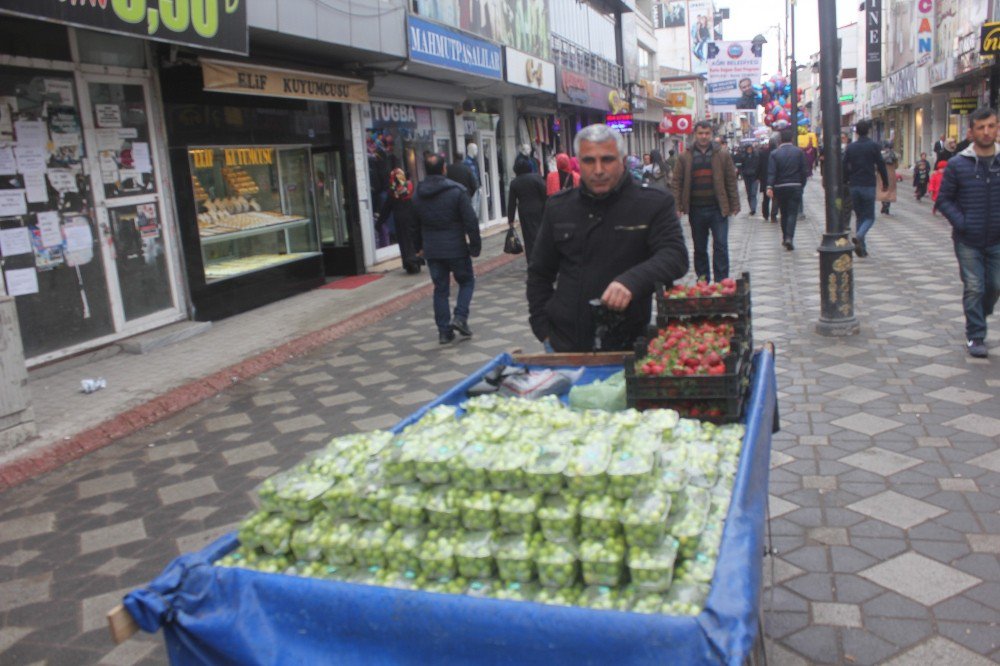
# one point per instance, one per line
(255, 207)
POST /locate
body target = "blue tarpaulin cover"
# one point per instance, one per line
(219, 615)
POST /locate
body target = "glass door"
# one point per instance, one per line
(330, 198)
(491, 181)
(128, 198)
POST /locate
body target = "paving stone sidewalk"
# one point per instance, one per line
(885, 486)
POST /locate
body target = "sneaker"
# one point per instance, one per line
(460, 325)
(976, 348)
(444, 337)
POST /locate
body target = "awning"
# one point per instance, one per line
(245, 79)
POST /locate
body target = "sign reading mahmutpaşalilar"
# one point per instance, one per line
(442, 46)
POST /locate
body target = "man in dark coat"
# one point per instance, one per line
(448, 237)
(768, 211)
(861, 160)
(968, 197)
(461, 174)
(749, 169)
(786, 177)
(608, 239)
(527, 194)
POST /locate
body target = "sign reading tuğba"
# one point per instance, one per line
(220, 25)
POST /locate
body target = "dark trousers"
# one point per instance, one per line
(789, 199)
(765, 207)
(705, 221)
(441, 271)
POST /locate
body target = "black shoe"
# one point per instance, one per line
(444, 337)
(976, 348)
(460, 325)
(774, 220)
(858, 249)
(788, 245)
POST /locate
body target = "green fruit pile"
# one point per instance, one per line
(509, 499)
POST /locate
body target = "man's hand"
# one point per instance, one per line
(770, 193)
(617, 296)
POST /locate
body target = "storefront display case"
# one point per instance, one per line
(254, 207)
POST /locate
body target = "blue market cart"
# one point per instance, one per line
(219, 615)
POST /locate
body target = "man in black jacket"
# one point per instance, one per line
(768, 211)
(444, 219)
(608, 239)
(459, 172)
(787, 173)
(861, 159)
(749, 168)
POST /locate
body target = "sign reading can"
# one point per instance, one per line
(220, 25)
(989, 39)
(271, 82)
(963, 104)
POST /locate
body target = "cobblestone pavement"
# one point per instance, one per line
(885, 482)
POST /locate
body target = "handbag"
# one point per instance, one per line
(512, 245)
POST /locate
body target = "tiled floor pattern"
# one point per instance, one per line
(885, 487)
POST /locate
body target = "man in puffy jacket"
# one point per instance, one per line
(861, 159)
(445, 220)
(609, 239)
(970, 199)
(787, 173)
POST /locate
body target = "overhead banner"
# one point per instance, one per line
(873, 41)
(243, 79)
(442, 46)
(732, 73)
(220, 25)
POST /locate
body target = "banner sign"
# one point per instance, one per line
(963, 105)
(621, 122)
(220, 25)
(925, 32)
(873, 41)
(989, 39)
(732, 73)
(244, 79)
(528, 70)
(442, 46)
(579, 90)
(676, 124)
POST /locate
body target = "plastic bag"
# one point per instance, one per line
(607, 395)
(535, 384)
(512, 244)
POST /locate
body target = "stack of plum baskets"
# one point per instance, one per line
(697, 359)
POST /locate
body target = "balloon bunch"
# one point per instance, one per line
(775, 95)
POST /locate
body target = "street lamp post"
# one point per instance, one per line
(794, 77)
(836, 267)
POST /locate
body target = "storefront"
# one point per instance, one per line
(261, 159)
(535, 108)
(583, 102)
(88, 244)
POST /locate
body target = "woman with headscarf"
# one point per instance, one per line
(948, 151)
(563, 178)
(658, 176)
(399, 204)
(891, 161)
(527, 195)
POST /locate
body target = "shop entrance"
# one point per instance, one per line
(331, 213)
(488, 167)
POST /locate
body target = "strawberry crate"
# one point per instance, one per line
(729, 386)
(716, 410)
(737, 304)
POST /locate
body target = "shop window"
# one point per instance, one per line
(255, 207)
(34, 39)
(102, 48)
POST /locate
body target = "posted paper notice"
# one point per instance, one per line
(21, 281)
(12, 203)
(15, 241)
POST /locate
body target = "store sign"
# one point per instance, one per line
(248, 156)
(680, 96)
(989, 39)
(924, 19)
(444, 47)
(220, 25)
(877, 96)
(902, 85)
(389, 113)
(578, 90)
(963, 104)
(620, 122)
(676, 124)
(942, 72)
(968, 53)
(527, 70)
(243, 79)
(873, 40)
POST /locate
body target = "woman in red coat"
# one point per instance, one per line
(563, 178)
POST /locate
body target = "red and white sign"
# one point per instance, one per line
(676, 124)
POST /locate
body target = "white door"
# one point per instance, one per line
(489, 207)
(117, 113)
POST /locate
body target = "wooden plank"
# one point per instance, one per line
(121, 624)
(571, 359)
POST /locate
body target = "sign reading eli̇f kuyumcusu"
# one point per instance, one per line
(220, 25)
(439, 45)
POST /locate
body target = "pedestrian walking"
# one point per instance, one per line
(563, 178)
(527, 196)
(887, 196)
(861, 159)
(767, 211)
(448, 237)
(462, 174)
(786, 177)
(939, 144)
(921, 176)
(671, 162)
(934, 184)
(399, 205)
(969, 190)
(706, 189)
(948, 151)
(609, 239)
(659, 173)
(749, 168)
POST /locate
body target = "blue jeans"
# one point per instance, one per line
(703, 221)
(980, 271)
(752, 186)
(441, 271)
(863, 202)
(789, 201)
